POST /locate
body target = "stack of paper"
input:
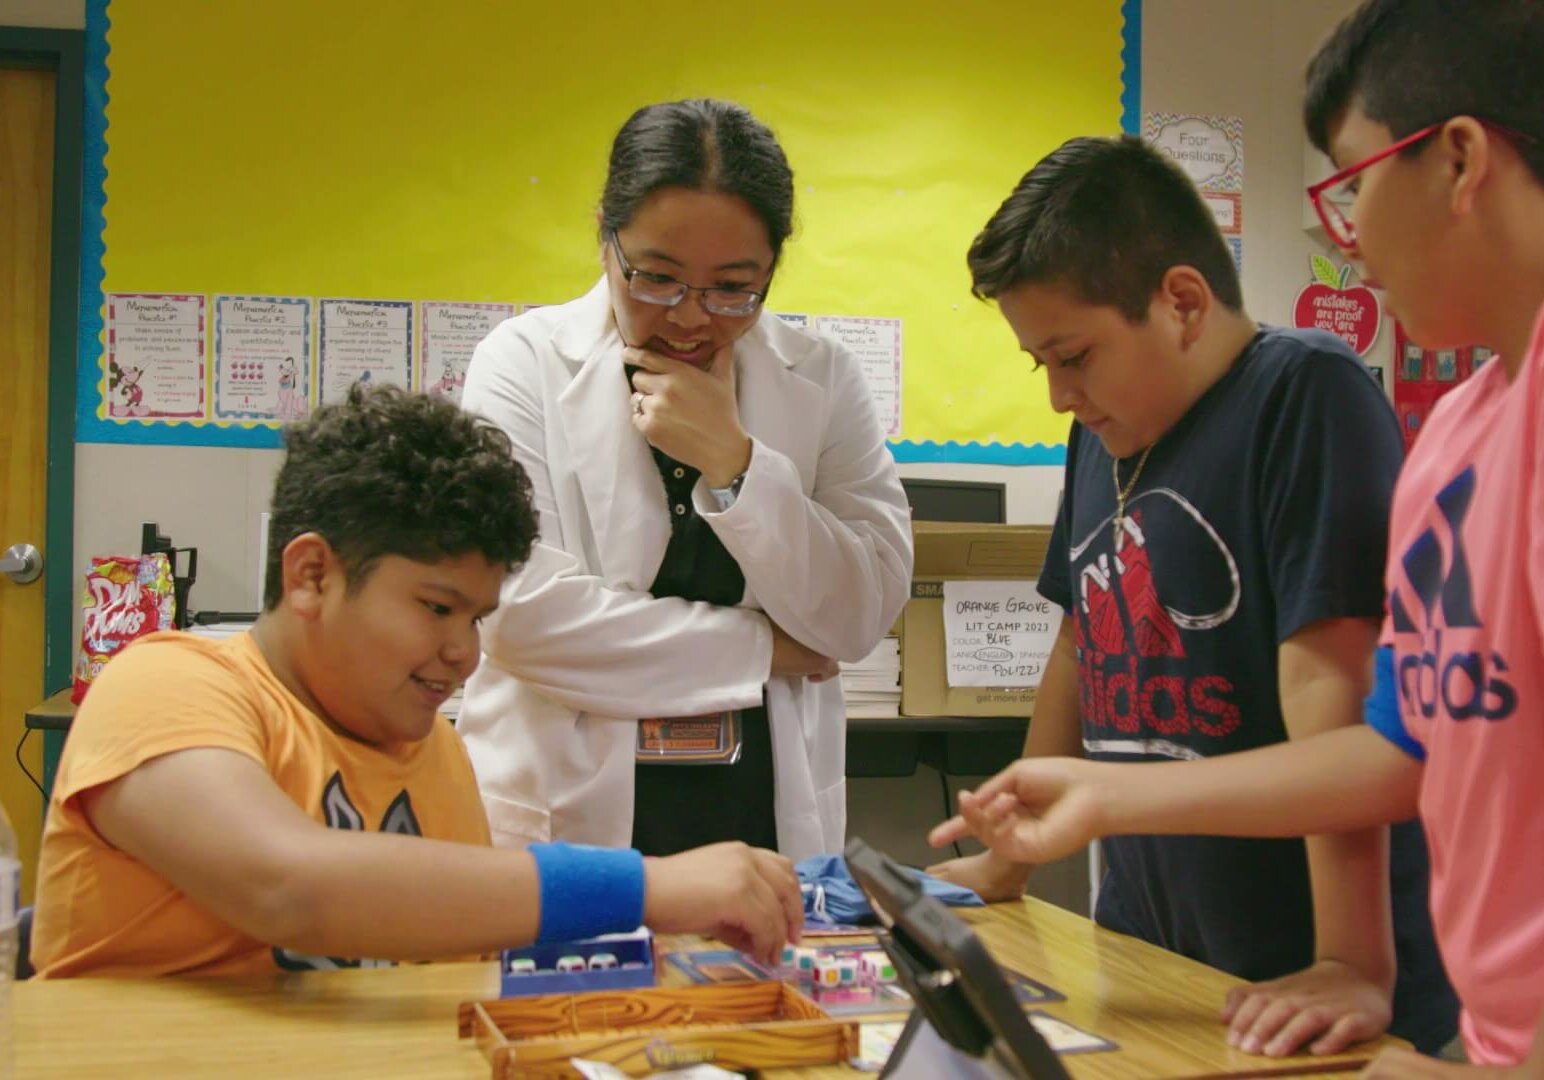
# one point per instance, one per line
(873, 685)
(452, 707)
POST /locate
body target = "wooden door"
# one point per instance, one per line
(27, 106)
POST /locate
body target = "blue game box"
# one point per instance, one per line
(608, 962)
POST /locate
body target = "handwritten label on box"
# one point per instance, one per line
(997, 633)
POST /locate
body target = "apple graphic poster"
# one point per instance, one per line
(1351, 313)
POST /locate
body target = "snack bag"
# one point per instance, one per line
(127, 596)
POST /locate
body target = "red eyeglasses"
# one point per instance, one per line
(1332, 197)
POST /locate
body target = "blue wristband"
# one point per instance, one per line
(586, 891)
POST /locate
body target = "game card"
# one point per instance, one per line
(877, 1039)
(867, 999)
(719, 966)
(1065, 1038)
(876, 1042)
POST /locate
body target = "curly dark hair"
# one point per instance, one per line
(396, 473)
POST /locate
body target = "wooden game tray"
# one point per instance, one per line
(737, 1026)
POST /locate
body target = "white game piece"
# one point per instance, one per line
(875, 968)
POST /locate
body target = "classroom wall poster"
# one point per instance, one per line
(448, 332)
(1227, 209)
(1211, 151)
(155, 356)
(1331, 303)
(1209, 148)
(363, 341)
(262, 358)
(877, 345)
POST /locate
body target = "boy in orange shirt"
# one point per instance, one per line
(291, 798)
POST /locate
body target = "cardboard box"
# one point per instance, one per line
(950, 551)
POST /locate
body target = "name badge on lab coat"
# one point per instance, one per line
(710, 739)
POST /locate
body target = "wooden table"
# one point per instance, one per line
(1160, 1008)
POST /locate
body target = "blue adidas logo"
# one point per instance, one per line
(1465, 684)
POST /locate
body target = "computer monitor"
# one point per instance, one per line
(956, 500)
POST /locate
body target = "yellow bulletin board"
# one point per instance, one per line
(455, 151)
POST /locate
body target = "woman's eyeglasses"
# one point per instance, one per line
(666, 291)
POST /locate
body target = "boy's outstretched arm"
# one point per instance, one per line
(1055, 730)
(1041, 809)
(216, 826)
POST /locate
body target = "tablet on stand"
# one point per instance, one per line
(966, 1021)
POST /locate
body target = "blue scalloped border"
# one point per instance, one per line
(91, 428)
(88, 346)
(977, 453)
(1131, 67)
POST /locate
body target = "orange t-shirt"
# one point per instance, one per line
(100, 912)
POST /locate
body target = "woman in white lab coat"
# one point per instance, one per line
(720, 523)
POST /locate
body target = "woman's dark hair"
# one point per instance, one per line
(703, 145)
(394, 473)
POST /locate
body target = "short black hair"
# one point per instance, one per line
(1108, 218)
(396, 473)
(701, 144)
(1408, 64)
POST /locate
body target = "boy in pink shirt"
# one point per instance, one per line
(1466, 594)
(1432, 110)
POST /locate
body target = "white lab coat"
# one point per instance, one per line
(579, 649)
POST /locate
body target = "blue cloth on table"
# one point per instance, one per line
(832, 896)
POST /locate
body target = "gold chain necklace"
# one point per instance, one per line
(1123, 493)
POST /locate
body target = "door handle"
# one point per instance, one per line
(22, 563)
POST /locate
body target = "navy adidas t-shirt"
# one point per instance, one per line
(1265, 509)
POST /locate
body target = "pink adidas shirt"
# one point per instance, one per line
(1466, 619)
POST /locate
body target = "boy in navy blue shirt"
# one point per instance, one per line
(1218, 555)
